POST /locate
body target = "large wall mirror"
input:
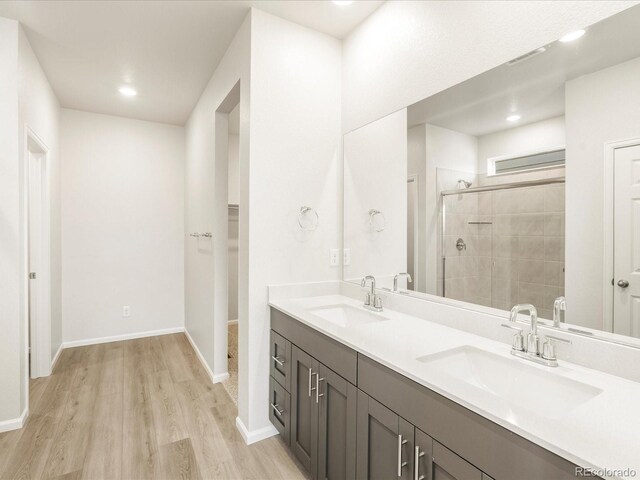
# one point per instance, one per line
(521, 185)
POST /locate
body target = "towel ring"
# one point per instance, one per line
(303, 219)
(377, 225)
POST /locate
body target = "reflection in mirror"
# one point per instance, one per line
(502, 189)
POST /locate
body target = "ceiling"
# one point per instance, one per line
(167, 50)
(533, 88)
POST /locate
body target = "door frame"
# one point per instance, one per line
(220, 248)
(41, 361)
(609, 227)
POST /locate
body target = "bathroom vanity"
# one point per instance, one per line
(351, 405)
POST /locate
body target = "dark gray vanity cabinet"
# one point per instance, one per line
(388, 446)
(304, 409)
(279, 385)
(323, 419)
(384, 442)
(442, 464)
(322, 433)
(346, 416)
(280, 409)
(281, 360)
(336, 426)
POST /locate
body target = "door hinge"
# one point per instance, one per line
(32, 275)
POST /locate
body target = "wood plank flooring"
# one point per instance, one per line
(138, 409)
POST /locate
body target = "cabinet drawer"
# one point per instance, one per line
(338, 357)
(279, 409)
(280, 360)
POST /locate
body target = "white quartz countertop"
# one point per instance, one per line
(602, 433)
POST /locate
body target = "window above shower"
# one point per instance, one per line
(526, 162)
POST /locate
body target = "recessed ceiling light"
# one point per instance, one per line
(570, 37)
(343, 3)
(128, 91)
(513, 118)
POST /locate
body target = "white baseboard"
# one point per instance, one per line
(56, 357)
(118, 338)
(215, 378)
(220, 377)
(233, 322)
(14, 423)
(256, 435)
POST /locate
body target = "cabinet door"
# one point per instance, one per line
(448, 466)
(384, 442)
(304, 410)
(423, 456)
(436, 462)
(337, 402)
(280, 360)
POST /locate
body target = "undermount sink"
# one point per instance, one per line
(514, 384)
(346, 315)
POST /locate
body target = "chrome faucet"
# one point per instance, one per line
(532, 351)
(371, 301)
(559, 311)
(533, 346)
(395, 280)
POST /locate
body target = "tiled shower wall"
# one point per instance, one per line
(516, 255)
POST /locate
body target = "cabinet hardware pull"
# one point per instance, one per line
(401, 464)
(311, 374)
(416, 465)
(275, 407)
(277, 360)
(318, 394)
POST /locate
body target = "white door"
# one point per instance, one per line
(626, 263)
(35, 259)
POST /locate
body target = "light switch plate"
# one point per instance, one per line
(126, 311)
(346, 256)
(334, 257)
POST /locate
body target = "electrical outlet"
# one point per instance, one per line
(126, 311)
(334, 257)
(346, 257)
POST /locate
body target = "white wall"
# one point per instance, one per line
(601, 107)
(40, 110)
(375, 177)
(290, 95)
(25, 99)
(525, 139)
(451, 150)
(11, 281)
(407, 51)
(122, 225)
(295, 160)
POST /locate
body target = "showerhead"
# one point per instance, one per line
(464, 183)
